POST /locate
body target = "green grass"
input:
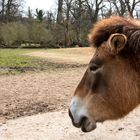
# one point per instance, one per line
(12, 58)
(13, 62)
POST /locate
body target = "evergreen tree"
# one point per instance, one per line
(40, 15)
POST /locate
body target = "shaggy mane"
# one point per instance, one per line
(130, 27)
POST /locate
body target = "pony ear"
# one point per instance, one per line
(117, 42)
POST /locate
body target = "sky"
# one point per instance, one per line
(46, 5)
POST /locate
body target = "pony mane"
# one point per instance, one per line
(129, 27)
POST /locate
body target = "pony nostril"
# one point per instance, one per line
(83, 119)
(70, 114)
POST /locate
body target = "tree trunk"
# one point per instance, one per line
(3, 10)
(60, 12)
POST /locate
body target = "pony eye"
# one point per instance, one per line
(93, 67)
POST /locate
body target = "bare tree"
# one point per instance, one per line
(30, 15)
(60, 12)
(2, 9)
(10, 9)
(120, 7)
(124, 7)
(68, 6)
(93, 9)
(77, 11)
(50, 18)
(107, 9)
(131, 5)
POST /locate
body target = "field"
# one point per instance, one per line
(31, 85)
(16, 61)
(42, 81)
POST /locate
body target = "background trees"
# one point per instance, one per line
(10, 10)
(66, 27)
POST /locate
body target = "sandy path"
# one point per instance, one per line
(62, 57)
(57, 126)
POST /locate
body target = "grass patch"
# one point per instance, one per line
(13, 62)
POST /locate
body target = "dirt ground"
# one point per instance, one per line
(48, 95)
(28, 94)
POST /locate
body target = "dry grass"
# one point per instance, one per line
(68, 56)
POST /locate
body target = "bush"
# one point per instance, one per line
(8, 34)
(35, 34)
(13, 34)
(40, 34)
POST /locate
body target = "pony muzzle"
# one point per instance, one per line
(79, 115)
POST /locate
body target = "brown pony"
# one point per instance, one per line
(110, 87)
